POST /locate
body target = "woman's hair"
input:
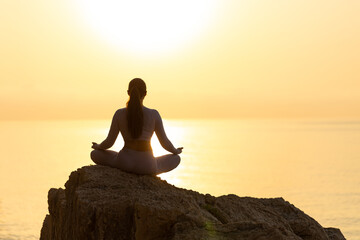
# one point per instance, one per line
(134, 112)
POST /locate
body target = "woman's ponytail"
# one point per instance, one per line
(135, 116)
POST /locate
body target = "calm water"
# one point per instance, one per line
(313, 164)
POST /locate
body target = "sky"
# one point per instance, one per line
(200, 59)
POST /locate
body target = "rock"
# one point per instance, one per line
(105, 203)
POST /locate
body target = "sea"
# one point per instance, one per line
(312, 163)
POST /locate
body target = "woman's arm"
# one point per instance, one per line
(160, 133)
(112, 135)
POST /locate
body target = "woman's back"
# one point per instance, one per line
(151, 117)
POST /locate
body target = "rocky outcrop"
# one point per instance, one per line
(105, 203)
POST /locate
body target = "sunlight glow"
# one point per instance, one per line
(174, 132)
(177, 135)
(147, 26)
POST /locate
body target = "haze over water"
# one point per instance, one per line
(312, 164)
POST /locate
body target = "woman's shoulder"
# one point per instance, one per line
(151, 111)
(120, 111)
(146, 109)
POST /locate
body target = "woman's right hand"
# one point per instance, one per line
(179, 150)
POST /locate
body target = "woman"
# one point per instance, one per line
(137, 124)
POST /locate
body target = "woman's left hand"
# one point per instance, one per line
(95, 145)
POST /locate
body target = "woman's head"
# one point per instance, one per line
(134, 112)
(137, 84)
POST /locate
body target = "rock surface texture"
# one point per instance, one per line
(105, 203)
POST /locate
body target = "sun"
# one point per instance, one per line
(148, 26)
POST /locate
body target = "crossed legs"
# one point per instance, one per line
(164, 163)
(103, 157)
(167, 163)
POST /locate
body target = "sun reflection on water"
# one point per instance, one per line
(176, 134)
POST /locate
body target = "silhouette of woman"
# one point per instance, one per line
(137, 124)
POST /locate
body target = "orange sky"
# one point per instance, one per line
(244, 59)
